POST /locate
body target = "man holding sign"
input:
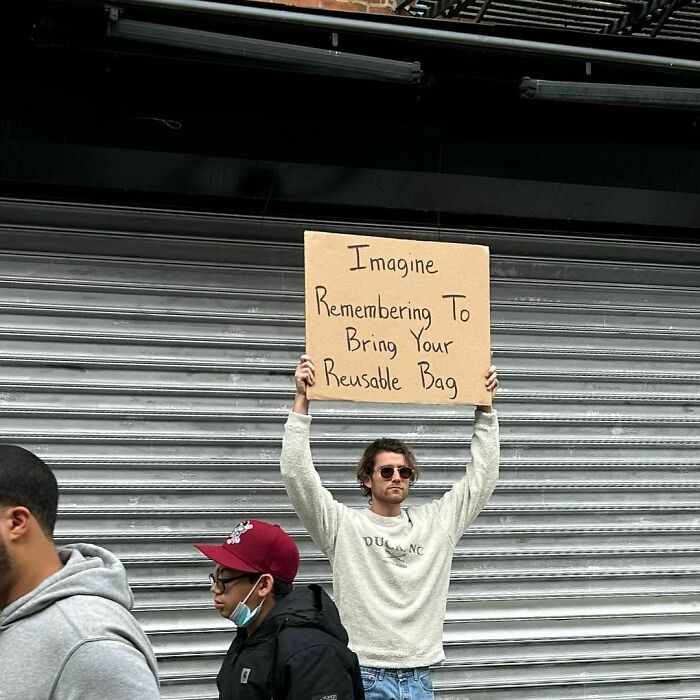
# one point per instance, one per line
(391, 566)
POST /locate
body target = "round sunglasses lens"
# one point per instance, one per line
(388, 472)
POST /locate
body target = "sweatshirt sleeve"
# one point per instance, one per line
(314, 504)
(464, 501)
(106, 668)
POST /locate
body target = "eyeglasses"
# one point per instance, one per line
(220, 583)
(388, 472)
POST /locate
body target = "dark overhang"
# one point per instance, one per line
(570, 38)
(105, 116)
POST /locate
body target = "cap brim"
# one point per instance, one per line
(224, 558)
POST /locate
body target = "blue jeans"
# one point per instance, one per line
(397, 683)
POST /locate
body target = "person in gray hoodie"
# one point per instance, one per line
(66, 628)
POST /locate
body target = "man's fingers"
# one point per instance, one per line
(492, 382)
(305, 361)
(306, 375)
(305, 370)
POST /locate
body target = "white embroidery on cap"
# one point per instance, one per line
(235, 536)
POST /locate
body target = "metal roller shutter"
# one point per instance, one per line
(151, 368)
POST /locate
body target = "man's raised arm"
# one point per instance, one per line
(314, 504)
(459, 506)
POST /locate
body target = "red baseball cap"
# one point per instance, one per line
(257, 547)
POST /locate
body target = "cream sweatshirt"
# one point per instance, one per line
(390, 574)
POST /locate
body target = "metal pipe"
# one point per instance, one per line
(303, 59)
(657, 96)
(335, 23)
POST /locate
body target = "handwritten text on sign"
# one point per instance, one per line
(397, 320)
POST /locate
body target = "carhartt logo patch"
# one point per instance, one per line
(245, 674)
(331, 696)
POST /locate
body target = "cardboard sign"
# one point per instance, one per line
(398, 321)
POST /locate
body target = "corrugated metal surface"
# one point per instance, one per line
(153, 371)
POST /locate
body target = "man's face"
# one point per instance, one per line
(394, 489)
(230, 588)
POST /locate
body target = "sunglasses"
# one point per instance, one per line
(388, 472)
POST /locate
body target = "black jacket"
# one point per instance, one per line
(299, 652)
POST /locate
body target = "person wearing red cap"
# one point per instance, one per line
(391, 565)
(290, 642)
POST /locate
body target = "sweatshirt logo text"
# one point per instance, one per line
(395, 554)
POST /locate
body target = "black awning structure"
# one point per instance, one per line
(669, 19)
(160, 101)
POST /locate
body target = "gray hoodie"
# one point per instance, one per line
(74, 638)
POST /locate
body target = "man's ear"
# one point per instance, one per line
(16, 521)
(267, 583)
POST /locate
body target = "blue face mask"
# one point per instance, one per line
(242, 616)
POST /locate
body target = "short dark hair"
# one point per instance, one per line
(25, 480)
(365, 466)
(279, 588)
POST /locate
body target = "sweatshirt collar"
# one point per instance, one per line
(387, 521)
